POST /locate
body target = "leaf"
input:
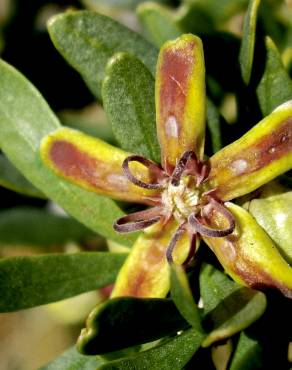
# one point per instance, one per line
(182, 297)
(72, 360)
(128, 98)
(12, 179)
(31, 281)
(35, 226)
(25, 119)
(117, 4)
(90, 120)
(274, 215)
(215, 286)
(220, 11)
(247, 355)
(87, 40)
(213, 124)
(228, 307)
(174, 354)
(248, 40)
(159, 23)
(143, 320)
(275, 86)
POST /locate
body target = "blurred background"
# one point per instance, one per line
(29, 223)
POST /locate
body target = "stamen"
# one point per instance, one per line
(192, 250)
(210, 232)
(204, 173)
(153, 167)
(138, 220)
(180, 230)
(181, 165)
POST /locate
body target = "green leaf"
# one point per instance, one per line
(182, 297)
(248, 40)
(117, 4)
(87, 40)
(213, 124)
(35, 226)
(228, 307)
(90, 120)
(274, 215)
(124, 322)
(275, 86)
(159, 23)
(221, 10)
(128, 98)
(215, 286)
(173, 354)
(25, 119)
(247, 355)
(12, 179)
(31, 281)
(72, 360)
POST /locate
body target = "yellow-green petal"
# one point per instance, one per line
(146, 271)
(249, 256)
(94, 165)
(259, 156)
(180, 98)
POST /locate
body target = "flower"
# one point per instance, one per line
(189, 197)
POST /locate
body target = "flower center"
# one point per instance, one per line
(181, 200)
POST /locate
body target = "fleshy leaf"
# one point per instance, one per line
(25, 119)
(12, 179)
(32, 281)
(72, 360)
(128, 98)
(182, 297)
(247, 355)
(180, 82)
(228, 308)
(174, 354)
(37, 227)
(93, 165)
(249, 256)
(257, 157)
(274, 215)
(146, 270)
(159, 22)
(275, 86)
(143, 320)
(87, 40)
(248, 40)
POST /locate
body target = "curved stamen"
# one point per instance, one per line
(208, 231)
(147, 163)
(181, 166)
(177, 235)
(138, 220)
(192, 250)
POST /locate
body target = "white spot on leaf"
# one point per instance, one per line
(239, 166)
(171, 127)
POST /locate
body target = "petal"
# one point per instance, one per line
(94, 165)
(249, 256)
(260, 155)
(146, 270)
(180, 99)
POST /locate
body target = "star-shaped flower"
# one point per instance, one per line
(189, 197)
